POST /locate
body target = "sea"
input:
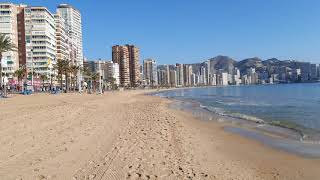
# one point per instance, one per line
(289, 110)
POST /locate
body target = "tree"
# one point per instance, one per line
(19, 73)
(95, 77)
(43, 78)
(63, 69)
(5, 46)
(74, 69)
(66, 73)
(112, 82)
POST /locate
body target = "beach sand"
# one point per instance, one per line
(127, 135)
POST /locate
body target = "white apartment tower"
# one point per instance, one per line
(8, 26)
(150, 72)
(73, 25)
(113, 72)
(40, 39)
(180, 75)
(61, 38)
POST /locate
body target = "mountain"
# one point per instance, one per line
(222, 62)
(248, 63)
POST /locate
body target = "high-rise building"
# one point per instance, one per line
(236, 76)
(173, 78)
(180, 75)
(113, 72)
(252, 76)
(73, 26)
(21, 36)
(203, 75)
(162, 78)
(208, 72)
(120, 55)
(61, 39)
(313, 71)
(127, 57)
(134, 66)
(150, 72)
(224, 79)
(9, 27)
(187, 74)
(168, 74)
(40, 39)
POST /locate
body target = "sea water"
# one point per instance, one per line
(290, 106)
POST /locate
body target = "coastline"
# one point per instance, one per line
(129, 135)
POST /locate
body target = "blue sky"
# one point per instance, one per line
(189, 31)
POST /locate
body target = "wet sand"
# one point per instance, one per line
(127, 135)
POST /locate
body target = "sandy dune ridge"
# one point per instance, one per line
(126, 135)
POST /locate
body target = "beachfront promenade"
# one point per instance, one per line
(126, 135)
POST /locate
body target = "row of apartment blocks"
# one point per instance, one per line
(123, 70)
(186, 75)
(108, 70)
(199, 74)
(42, 38)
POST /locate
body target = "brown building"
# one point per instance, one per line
(134, 65)
(129, 68)
(120, 55)
(21, 36)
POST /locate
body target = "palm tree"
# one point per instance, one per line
(5, 46)
(63, 69)
(74, 69)
(19, 73)
(94, 78)
(43, 78)
(66, 73)
(112, 82)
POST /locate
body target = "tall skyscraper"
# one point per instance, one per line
(9, 27)
(73, 26)
(173, 78)
(21, 36)
(150, 72)
(187, 71)
(180, 74)
(40, 39)
(313, 71)
(134, 66)
(62, 39)
(127, 57)
(120, 55)
(168, 74)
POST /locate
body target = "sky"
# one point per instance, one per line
(189, 31)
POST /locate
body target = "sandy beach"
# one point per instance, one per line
(127, 135)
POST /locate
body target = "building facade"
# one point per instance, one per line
(134, 66)
(9, 27)
(40, 40)
(150, 72)
(120, 55)
(127, 57)
(61, 39)
(180, 74)
(73, 27)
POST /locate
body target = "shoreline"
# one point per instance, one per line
(278, 137)
(299, 136)
(129, 135)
